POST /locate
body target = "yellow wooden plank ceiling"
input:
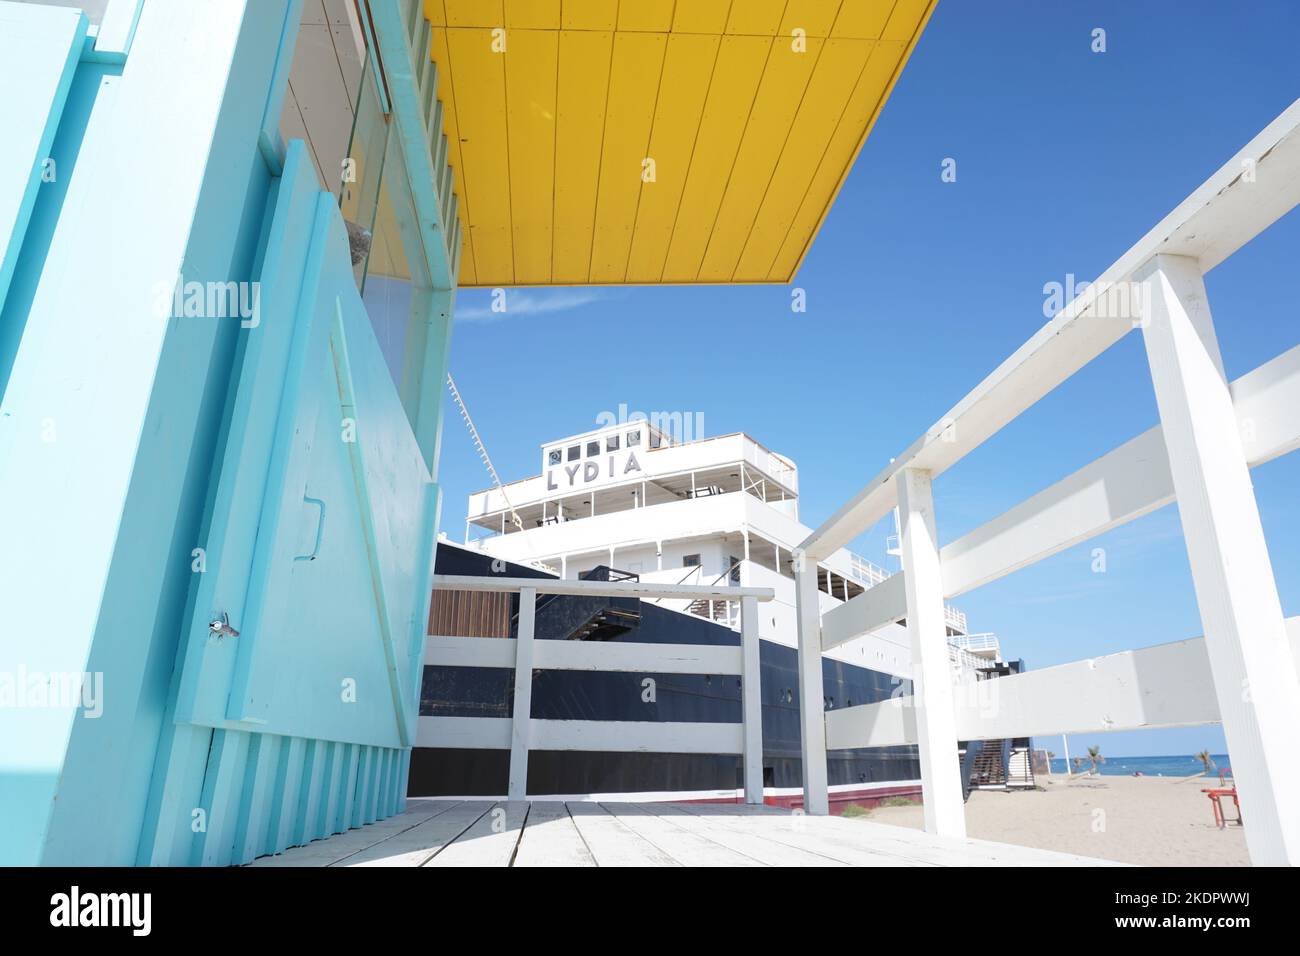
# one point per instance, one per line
(608, 142)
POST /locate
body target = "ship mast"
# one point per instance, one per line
(482, 451)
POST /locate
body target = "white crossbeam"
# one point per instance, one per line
(1168, 685)
(625, 657)
(694, 592)
(885, 603)
(612, 736)
(1121, 486)
(1259, 185)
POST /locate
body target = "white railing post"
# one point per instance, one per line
(751, 699)
(812, 701)
(1245, 637)
(518, 787)
(932, 677)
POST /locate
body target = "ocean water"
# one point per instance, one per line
(1166, 766)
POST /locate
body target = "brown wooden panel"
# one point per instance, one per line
(469, 614)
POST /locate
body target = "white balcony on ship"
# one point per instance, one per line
(983, 645)
(631, 466)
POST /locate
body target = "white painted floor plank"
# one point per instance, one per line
(341, 846)
(611, 842)
(415, 846)
(794, 830)
(491, 841)
(688, 849)
(551, 839)
(550, 833)
(756, 845)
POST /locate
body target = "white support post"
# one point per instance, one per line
(932, 683)
(812, 700)
(1245, 638)
(518, 786)
(751, 699)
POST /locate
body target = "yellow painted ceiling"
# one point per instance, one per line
(656, 141)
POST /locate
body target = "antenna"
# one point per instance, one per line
(482, 451)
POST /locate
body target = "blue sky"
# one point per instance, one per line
(917, 288)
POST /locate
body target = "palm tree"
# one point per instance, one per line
(1095, 759)
(1206, 761)
(1050, 757)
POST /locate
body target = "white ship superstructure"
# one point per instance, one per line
(707, 511)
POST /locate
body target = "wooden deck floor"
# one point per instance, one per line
(482, 833)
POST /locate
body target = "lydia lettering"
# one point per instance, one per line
(590, 471)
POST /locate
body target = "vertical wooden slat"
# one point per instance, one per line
(309, 795)
(375, 772)
(812, 719)
(518, 785)
(259, 791)
(364, 783)
(288, 786)
(222, 796)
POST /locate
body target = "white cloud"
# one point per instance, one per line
(531, 302)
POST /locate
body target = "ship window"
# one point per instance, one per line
(655, 439)
(611, 443)
(593, 449)
(554, 456)
(691, 561)
(574, 452)
(633, 438)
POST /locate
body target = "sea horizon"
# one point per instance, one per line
(1158, 765)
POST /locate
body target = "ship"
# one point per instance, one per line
(642, 500)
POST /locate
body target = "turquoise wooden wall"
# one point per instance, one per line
(159, 472)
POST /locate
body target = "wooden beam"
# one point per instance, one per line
(1121, 486)
(932, 676)
(401, 73)
(523, 703)
(464, 733)
(626, 657)
(615, 736)
(1168, 685)
(1254, 669)
(1222, 215)
(884, 603)
(751, 689)
(636, 736)
(812, 701)
(608, 588)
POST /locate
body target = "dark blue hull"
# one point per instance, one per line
(573, 695)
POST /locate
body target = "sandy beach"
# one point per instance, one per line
(1151, 821)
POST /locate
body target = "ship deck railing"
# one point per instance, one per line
(521, 733)
(1212, 431)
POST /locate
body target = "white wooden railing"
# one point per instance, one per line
(1243, 673)
(521, 733)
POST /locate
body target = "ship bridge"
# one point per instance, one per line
(628, 466)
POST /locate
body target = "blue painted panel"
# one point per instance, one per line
(339, 556)
(39, 47)
(84, 786)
